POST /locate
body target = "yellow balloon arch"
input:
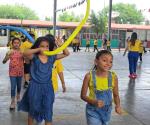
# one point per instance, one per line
(73, 35)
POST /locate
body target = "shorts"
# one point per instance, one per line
(88, 45)
(27, 68)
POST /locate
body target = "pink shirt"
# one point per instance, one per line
(16, 63)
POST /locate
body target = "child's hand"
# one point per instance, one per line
(58, 42)
(64, 88)
(118, 110)
(42, 49)
(100, 103)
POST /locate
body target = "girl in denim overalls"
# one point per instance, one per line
(101, 84)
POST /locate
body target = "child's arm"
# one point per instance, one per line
(29, 53)
(125, 51)
(61, 76)
(116, 97)
(6, 57)
(84, 90)
(64, 54)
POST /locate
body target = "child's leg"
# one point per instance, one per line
(19, 80)
(13, 91)
(135, 59)
(48, 123)
(85, 48)
(13, 85)
(30, 120)
(96, 48)
(131, 61)
(140, 55)
(89, 48)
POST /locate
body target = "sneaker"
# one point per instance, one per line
(12, 106)
(134, 75)
(25, 85)
(130, 76)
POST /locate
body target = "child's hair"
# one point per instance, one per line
(100, 53)
(133, 38)
(15, 38)
(41, 39)
(51, 39)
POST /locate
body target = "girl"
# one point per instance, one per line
(87, 45)
(39, 97)
(141, 50)
(101, 83)
(108, 45)
(15, 69)
(95, 44)
(133, 55)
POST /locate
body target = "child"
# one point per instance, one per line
(141, 50)
(95, 44)
(101, 83)
(24, 46)
(15, 69)
(39, 96)
(57, 68)
(133, 47)
(108, 45)
(87, 45)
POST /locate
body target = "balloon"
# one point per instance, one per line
(19, 30)
(73, 35)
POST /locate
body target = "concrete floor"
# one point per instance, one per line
(69, 108)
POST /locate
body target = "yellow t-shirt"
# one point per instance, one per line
(88, 42)
(74, 41)
(136, 47)
(57, 68)
(95, 42)
(101, 84)
(25, 45)
(108, 43)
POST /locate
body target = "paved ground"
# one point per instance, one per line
(69, 108)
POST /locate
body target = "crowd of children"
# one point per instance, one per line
(41, 80)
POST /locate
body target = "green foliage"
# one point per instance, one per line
(17, 12)
(98, 22)
(69, 17)
(128, 13)
(48, 18)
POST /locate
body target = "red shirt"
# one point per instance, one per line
(16, 63)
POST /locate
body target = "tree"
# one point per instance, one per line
(69, 17)
(17, 12)
(98, 22)
(48, 18)
(128, 13)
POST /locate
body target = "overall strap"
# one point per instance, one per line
(94, 79)
(109, 79)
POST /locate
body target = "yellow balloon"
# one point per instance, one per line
(73, 35)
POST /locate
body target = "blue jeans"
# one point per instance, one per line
(133, 58)
(15, 81)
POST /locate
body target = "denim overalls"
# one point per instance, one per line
(100, 116)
